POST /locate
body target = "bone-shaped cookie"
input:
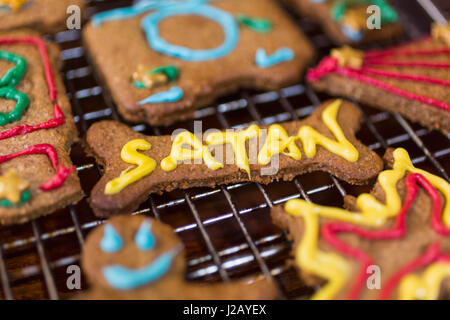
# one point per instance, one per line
(392, 243)
(324, 141)
(412, 79)
(134, 257)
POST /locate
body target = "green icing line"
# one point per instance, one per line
(22, 103)
(256, 24)
(139, 84)
(14, 75)
(388, 14)
(24, 197)
(170, 71)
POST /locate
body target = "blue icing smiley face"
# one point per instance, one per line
(131, 254)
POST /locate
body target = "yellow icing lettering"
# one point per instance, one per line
(372, 213)
(129, 154)
(237, 141)
(197, 151)
(425, 287)
(277, 142)
(311, 137)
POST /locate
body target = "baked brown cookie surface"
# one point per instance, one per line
(134, 257)
(393, 243)
(346, 21)
(412, 79)
(46, 16)
(37, 130)
(163, 64)
(137, 165)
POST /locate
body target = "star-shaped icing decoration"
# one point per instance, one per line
(15, 5)
(12, 185)
(441, 32)
(348, 57)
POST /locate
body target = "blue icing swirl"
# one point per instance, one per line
(126, 279)
(226, 20)
(171, 95)
(281, 55)
(352, 34)
(144, 238)
(130, 12)
(111, 241)
(168, 8)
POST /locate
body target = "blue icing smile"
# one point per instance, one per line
(171, 95)
(144, 238)
(281, 55)
(352, 34)
(226, 20)
(111, 241)
(126, 279)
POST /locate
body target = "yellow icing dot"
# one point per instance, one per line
(11, 186)
(197, 151)
(425, 287)
(372, 213)
(129, 154)
(15, 5)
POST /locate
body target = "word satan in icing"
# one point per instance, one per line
(277, 142)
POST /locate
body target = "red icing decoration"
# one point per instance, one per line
(405, 76)
(329, 64)
(330, 230)
(58, 115)
(61, 172)
(433, 254)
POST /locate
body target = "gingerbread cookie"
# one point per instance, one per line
(394, 243)
(347, 21)
(36, 174)
(163, 60)
(134, 257)
(47, 16)
(412, 79)
(138, 165)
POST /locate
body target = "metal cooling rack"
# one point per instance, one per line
(227, 231)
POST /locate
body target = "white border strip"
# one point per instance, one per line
(432, 11)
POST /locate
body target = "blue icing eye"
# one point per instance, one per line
(111, 241)
(144, 238)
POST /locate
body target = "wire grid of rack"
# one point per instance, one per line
(227, 231)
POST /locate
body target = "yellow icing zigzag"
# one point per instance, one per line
(372, 212)
(425, 287)
(130, 154)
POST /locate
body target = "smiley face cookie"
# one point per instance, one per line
(135, 257)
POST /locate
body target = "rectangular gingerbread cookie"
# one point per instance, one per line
(137, 165)
(36, 130)
(163, 63)
(46, 16)
(412, 79)
(346, 21)
(391, 243)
